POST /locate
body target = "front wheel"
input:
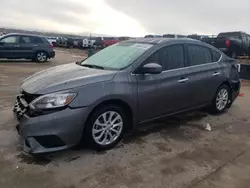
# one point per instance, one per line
(222, 100)
(105, 127)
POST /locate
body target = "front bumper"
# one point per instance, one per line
(51, 132)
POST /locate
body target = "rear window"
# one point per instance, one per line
(118, 56)
(36, 40)
(232, 35)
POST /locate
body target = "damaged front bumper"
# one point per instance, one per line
(50, 132)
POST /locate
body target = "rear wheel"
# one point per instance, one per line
(41, 57)
(105, 127)
(221, 100)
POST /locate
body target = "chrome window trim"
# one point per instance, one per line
(182, 67)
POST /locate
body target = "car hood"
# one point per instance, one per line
(64, 77)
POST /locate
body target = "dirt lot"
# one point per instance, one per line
(244, 60)
(174, 153)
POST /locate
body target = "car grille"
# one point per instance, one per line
(22, 103)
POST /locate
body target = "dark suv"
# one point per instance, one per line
(18, 46)
(123, 85)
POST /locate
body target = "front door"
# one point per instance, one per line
(164, 93)
(9, 47)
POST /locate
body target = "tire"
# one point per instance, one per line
(222, 100)
(41, 56)
(97, 129)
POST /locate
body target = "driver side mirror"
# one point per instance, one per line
(2, 43)
(151, 68)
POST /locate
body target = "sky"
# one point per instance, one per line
(127, 17)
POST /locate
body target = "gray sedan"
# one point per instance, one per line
(130, 83)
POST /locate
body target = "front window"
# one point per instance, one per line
(117, 56)
(10, 39)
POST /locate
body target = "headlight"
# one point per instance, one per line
(53, 100)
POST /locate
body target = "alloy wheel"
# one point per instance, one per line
(222, 99)
(107, 128)
(41, 56)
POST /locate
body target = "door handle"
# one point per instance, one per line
(16, 45)
(183, 80)
(34, 45)
(216, 73)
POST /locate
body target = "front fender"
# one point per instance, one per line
(94, 94)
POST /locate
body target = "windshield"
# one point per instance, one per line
(117, 56)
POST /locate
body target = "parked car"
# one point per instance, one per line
(124, 38)
(173, 36)
(52, 40)
(103, 42)
(61, 41)
(231, 43)
(18, 46)
(67, 42)
(129, 83)
(199, 37)
(153, 36)
(88, 42)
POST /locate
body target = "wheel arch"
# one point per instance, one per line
(37, 51)
(227, 83)
(118, 102)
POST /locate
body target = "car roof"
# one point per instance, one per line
(23, 34)
(163, 40)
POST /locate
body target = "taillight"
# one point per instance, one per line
(227, 43)
(51, 46)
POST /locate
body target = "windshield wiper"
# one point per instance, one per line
(92, 66)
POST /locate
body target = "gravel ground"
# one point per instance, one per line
(174, 152)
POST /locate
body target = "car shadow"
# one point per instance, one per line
(12, 61)
(172, 127)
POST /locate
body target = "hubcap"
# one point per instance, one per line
(41, 56)
(222, 99)
(107, 128)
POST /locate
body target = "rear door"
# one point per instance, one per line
(26, 46)
(9, 47)
(160, 94)
(203, 72)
